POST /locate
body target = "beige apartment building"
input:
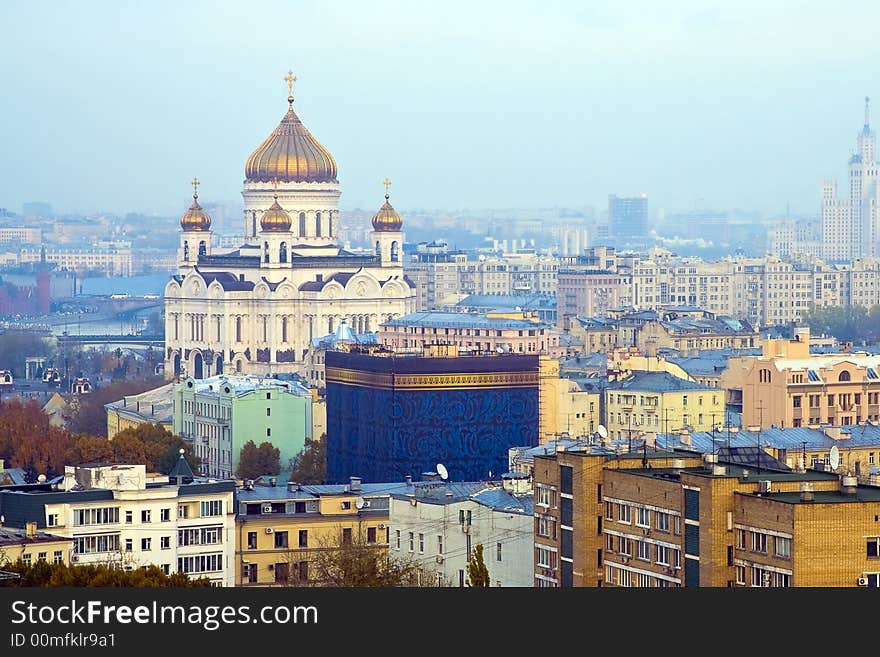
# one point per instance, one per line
(789, 387)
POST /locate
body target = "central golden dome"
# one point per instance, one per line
(275, 219)
(290, 154)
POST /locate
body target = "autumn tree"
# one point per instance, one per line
(310, 465)
(347, 558)
(152, 445)
(477, 573)
(28, 441)
(255, 461)
(91, 417)
(15, 346)
(87, 449)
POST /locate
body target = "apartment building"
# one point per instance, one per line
(116, 514)
(281, 530)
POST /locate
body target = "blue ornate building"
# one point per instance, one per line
(389, 416)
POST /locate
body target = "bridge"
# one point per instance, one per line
(143, 340)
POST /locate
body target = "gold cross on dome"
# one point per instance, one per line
(195, 184)
(290, 78)
(387, 184)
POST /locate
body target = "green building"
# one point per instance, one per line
(218, 415)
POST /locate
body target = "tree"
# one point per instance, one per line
(29, 442)
(310, 465)
(846, 323)
(347, 559)
(87, 449)
(15, 346)
(91, 417)
(160, 448)
(255, 461)
(44, 574)
(477, 573)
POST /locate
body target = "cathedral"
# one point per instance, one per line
(256, 309)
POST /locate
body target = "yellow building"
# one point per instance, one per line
(31, 546)
(659, 402)
(564, 407)
(151, 407)
(280, 530)
(789, 387)
(681, 526)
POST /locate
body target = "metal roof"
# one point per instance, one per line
(434, 318)
(656, 382)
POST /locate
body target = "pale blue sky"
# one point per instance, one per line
(116, 105)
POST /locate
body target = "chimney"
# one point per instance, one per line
(124, 402)
(408, 480)
(848, 485)
(684, 437)
(806, 491)
(430, 476)
(31, 530)
(354, 484)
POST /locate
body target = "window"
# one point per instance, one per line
(98, 516)
(129, 545)
(52, 519)
(796, 401)
(740, 574)
(396, 539)
(843, 376)
(421, 543)
(26, 558)
(146, 544)
(252, 540)
(623, 513)
(165, 515)
(759, 542)
(662, 555)
(661, 520)
(281, 540)
(741, 539)
(41, 556)
(781, 580)
(304, 538)
(783, 547)
(268, 431)
(643, 517)
(203, 563)
(346, 504)
(268, 412)
(684, 400)
(439, 544)
(624, 546)
(212, 508)
(146, 515)
(57, 557)
(165, 542)
(346, 536)
(546, 558)
(182, 511)
(498, 552)
(872, 544)
(643, 550)
(565, 479)
(609, 510)
(609, 543)
(760, 577)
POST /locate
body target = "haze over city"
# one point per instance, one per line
(115, 107)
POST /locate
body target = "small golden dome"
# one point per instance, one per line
(276, 218)
(195, 218)
(387, 219)
(290, 153)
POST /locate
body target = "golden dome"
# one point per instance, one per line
(290, 153)
(276, 218)
(195, 218)
(387, 219)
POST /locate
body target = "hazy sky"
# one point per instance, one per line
(116, 105)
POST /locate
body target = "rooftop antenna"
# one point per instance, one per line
(442, 471)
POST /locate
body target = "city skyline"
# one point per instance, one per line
(718, 107)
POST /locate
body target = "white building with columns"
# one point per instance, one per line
(255, 309)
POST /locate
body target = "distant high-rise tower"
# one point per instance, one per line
(851, 225)
(628, 219)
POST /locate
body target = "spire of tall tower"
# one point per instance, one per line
(867, 113)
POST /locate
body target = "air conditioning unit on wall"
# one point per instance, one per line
(268, 530)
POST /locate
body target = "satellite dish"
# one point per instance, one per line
(442, 471)
(835, 458)
(359, 502)
(602, 431)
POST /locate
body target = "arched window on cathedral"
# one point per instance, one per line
(330, 325)
(203, 249)
(284, 329)
(318, 224)
(254, 220)
(282, 253)
(378, 248)
(185, 250)
(238, 329)
(329, 224)
(265, 251)
(302, 224)
(394, 253)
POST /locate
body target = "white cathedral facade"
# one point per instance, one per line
(255, 309)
